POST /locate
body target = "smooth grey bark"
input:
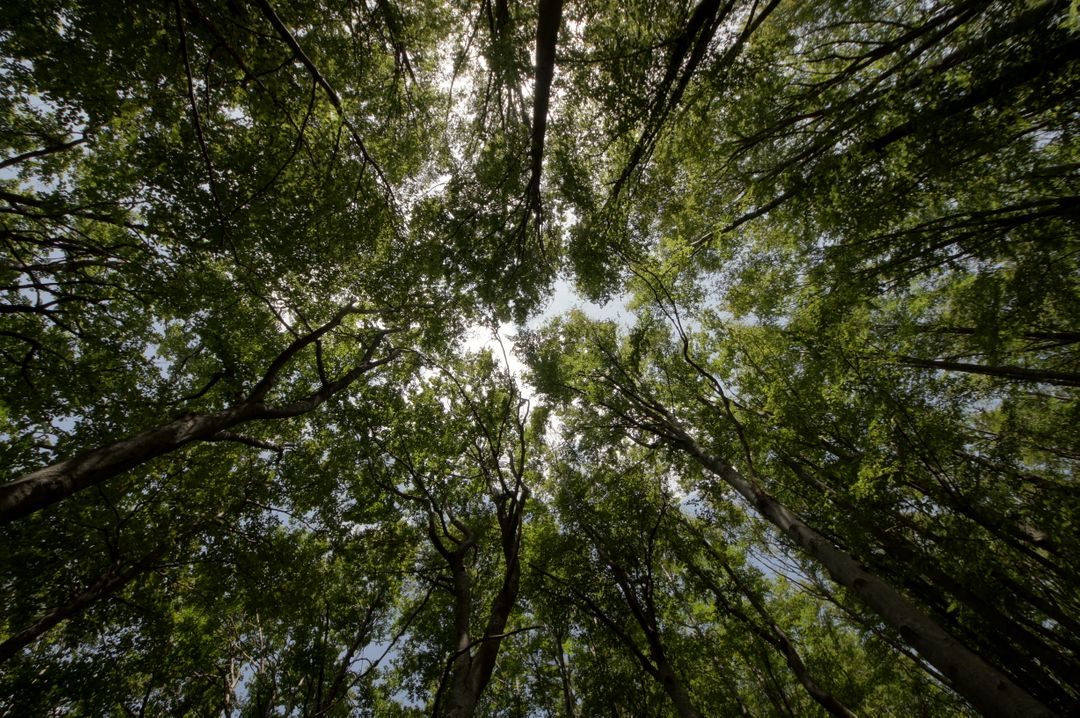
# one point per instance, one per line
(1026, 643)
(1016, 373)
(51, 484)
(987, 688)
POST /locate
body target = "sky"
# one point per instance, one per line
(563, 299)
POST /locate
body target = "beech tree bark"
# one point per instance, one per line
(53, 483)
(987, 688)
(1059, 378)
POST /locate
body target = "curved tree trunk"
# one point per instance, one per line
(54, 483)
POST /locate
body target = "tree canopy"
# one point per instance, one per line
(824, 464)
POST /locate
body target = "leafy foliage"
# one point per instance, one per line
(254, 467)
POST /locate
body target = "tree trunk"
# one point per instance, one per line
(547, 33)
(1025, 646)
(987, 688)
(1017, 373)
(49, 485)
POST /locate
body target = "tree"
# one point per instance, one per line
(620, 526)
(610, 378)
(255, 466)
(470, 488)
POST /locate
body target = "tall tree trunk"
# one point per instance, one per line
(1017, 373)
(1028, 647)
(51, 484)
(549, 17)
(987, 688)
(471, 673)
